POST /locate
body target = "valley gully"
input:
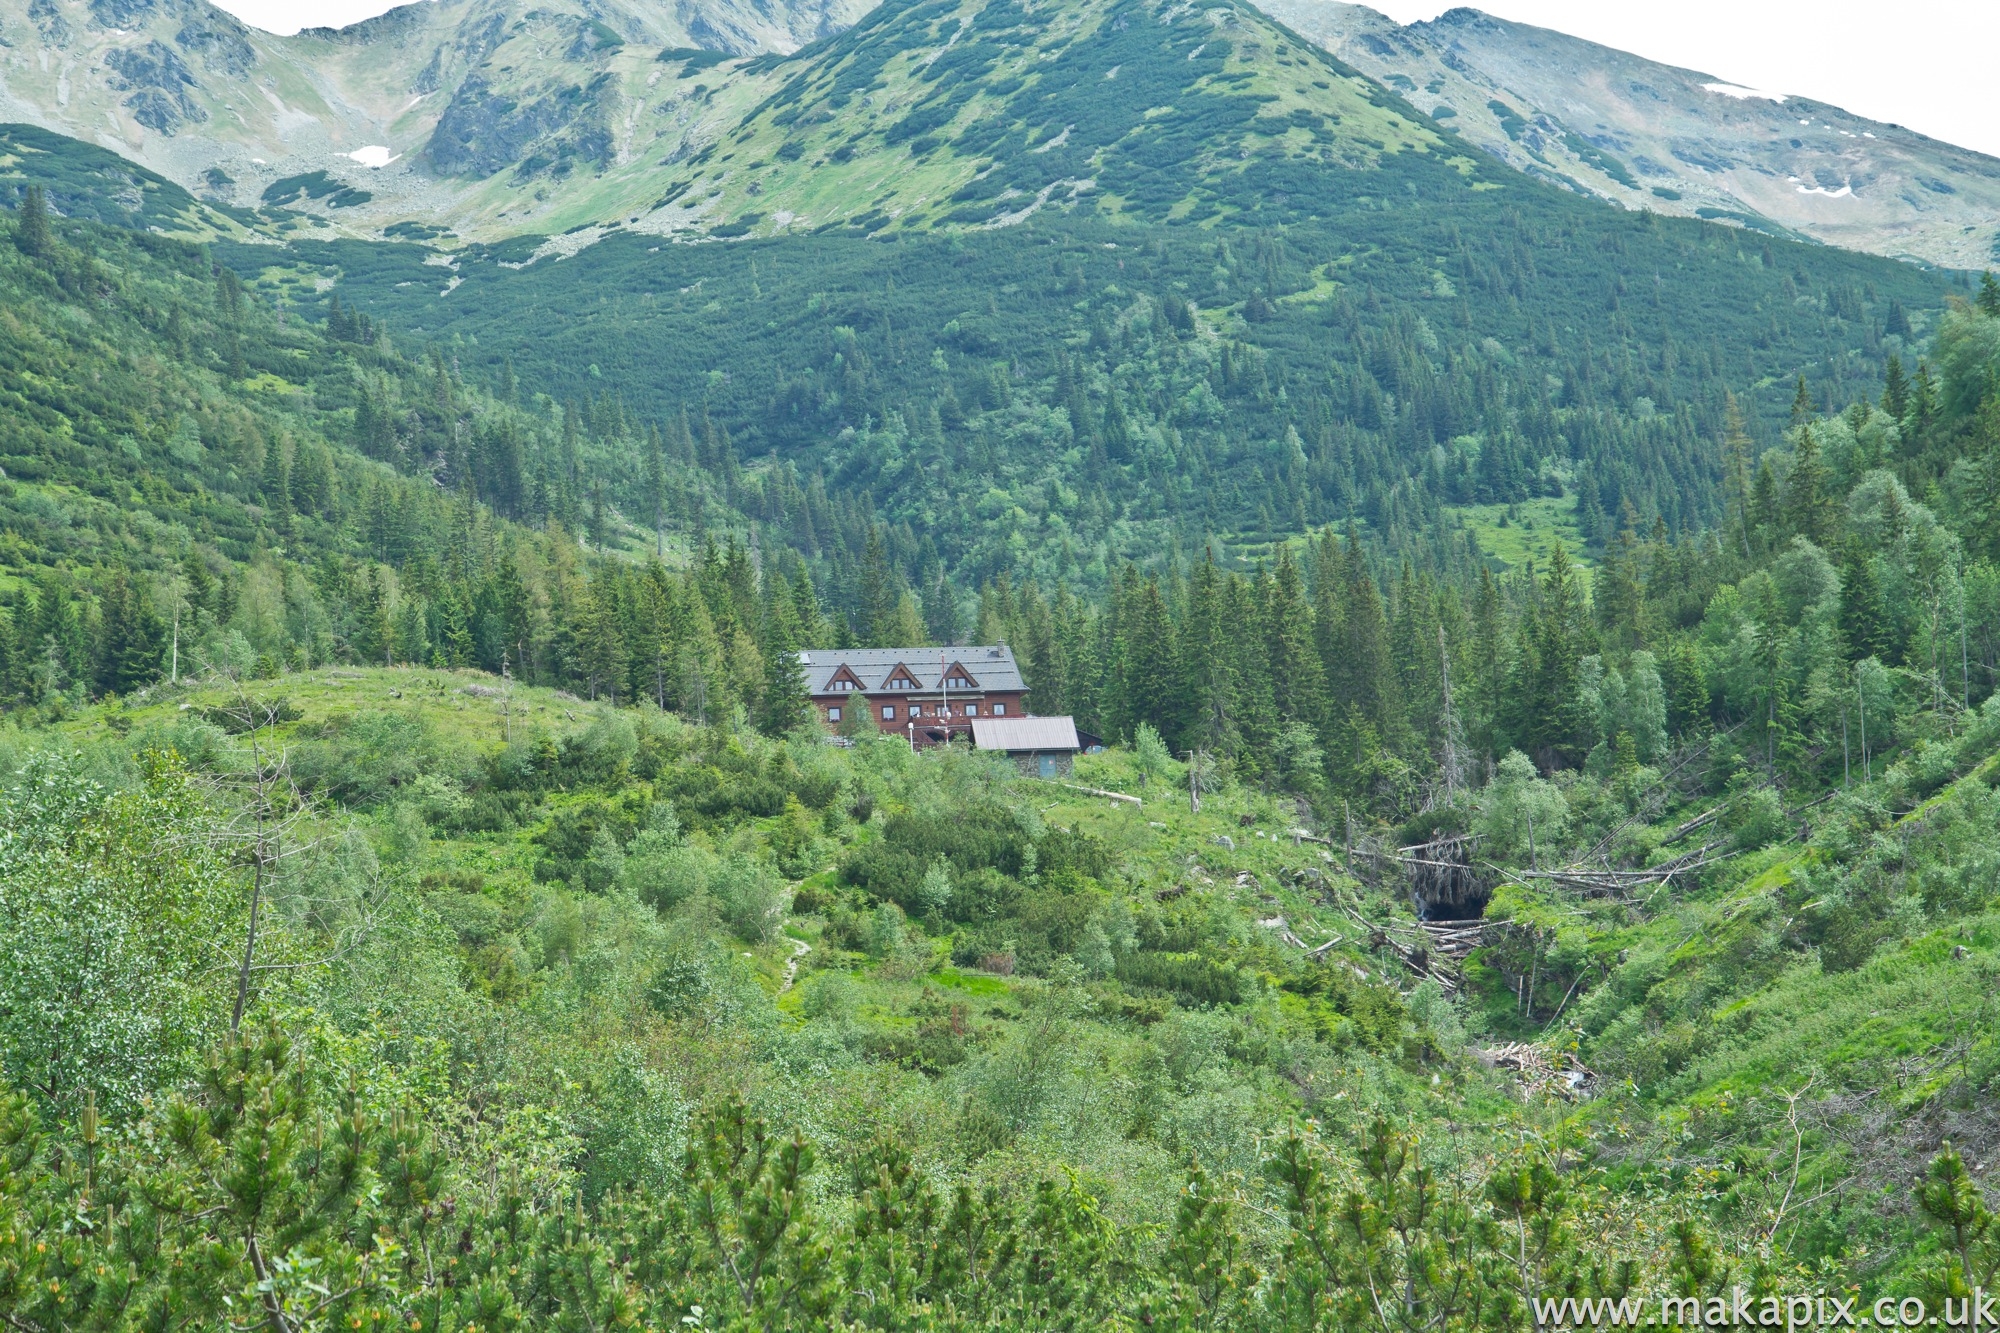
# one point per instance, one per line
(1742, 1308)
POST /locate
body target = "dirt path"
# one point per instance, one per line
(799, 950)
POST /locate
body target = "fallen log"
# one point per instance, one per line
(1099, 791)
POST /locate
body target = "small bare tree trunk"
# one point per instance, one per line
(250, 935)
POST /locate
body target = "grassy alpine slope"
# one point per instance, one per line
(552, 967)
(536, 989)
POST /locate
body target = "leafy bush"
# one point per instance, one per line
(749, 898)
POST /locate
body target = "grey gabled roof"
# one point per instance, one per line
(1015, 735)
(992, 666)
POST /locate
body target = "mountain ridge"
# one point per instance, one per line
(350, 116)
(493, 118)
(1643, 134)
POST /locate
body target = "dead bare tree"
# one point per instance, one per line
(267, 821)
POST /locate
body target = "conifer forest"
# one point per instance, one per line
(1542, 860)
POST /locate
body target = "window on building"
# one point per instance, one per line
(999, 710)
(888, 712)
(833, 715)
(972, 710)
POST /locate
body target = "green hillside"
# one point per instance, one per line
(84, 181)
(1285, 300)
(428, 901)
(1103, 390)
(985, 112)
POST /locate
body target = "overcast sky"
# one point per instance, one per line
(1924, 63)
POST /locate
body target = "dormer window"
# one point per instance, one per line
(843, 681)
(901, 679)
(956, 677)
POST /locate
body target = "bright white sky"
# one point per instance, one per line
(1923, 63)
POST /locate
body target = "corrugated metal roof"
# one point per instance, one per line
(1015, 734)
(992, 665)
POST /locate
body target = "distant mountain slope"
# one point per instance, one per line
(1643, 134)
(496, 118)
(983, 112)
(488, 118)
(392, 120)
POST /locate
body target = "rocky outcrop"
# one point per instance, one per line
(49, 21)
(485, 130)
(123, 13)
(219, 41)
(159, 86)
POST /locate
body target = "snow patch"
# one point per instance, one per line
(1844, 192)
(374, 155)
(1741, 94)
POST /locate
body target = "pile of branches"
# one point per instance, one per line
(1453, 939)
(1604, 882)
(1542, 1071)
(1417, 950)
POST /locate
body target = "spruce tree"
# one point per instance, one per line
(1736, 445)
(277, 479)
(129, 631)
(1207, 679)
(875, 617)
(785, 705)
(1298, 686)
(1618, 596)
(1414, 651)
(1865, 626)
(1360, 676)
(1923, 409)
(1686, 686)
(1989, 295)
(32, 234)
(600, 646)
(940, 603)
(656, 488)
(1250, 672)
(1557, 727)
(1151, 675)
(1765, 510)
(1044, 658)
(1802, 403)
(1895, 389)
(1808, 508)
(1769, 655)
